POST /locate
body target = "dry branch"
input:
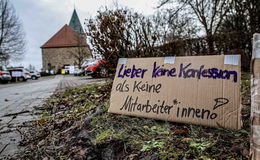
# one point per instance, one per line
(15, 114)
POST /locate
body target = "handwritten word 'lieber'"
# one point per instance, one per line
(132, 105)
(131, 72)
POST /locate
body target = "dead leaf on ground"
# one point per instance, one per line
(181, 131)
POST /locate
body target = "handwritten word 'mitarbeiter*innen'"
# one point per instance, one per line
(185, 71)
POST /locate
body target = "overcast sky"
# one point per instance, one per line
(41, 19)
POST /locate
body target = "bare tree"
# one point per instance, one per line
(170, 27)
(209, 14)
(12, 43)
(242, 17)
(31, 67)
(82, 50)
(121, 33)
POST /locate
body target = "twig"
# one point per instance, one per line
(2, 127)
(84, 112)
(15, 114)
(4, 148)
(7, 131)
(22, 135)
(11, 119)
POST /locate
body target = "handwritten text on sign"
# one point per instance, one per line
(189, 91)
(186, 71)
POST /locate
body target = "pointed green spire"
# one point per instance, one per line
(75, 23)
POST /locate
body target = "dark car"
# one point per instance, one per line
(96, 68)
(5, 76)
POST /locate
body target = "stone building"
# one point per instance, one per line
(67, 47)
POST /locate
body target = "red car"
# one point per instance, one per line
(96, 68)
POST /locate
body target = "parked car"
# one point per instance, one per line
(35, 74)
(5, 76)
(79, 72)
(96, 68)
(19, 73)
(87, 62)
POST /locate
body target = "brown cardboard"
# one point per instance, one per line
(195, 99)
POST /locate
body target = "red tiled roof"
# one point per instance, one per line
(65, 37)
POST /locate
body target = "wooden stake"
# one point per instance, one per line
(255, 100)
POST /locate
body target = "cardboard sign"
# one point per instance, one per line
(201, 90)
(16, 74)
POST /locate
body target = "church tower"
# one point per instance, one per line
(75, 22)
(68, 47)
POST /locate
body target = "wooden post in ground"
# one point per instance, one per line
(255, 100)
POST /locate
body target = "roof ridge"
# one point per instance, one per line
(65, 37)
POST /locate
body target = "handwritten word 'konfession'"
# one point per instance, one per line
(185, 71)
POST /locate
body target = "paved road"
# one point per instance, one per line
(22, 97)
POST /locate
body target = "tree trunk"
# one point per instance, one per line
(210, 43)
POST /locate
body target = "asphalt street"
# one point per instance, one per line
(21, 98)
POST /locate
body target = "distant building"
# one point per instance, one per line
(65, 46)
